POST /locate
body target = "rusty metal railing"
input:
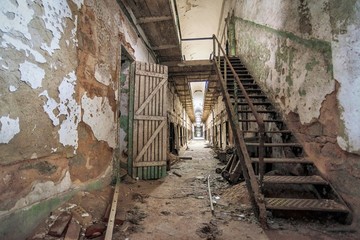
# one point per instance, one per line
(254, 187)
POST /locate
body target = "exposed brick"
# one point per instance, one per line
(73, 231)
(60, 224)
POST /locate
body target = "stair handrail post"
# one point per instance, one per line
(252, 184)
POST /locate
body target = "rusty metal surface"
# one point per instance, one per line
(327, 205)
(274, 144)
(284, 160)
(244, 159)
(317, 180)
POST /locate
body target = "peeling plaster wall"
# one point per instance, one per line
(305, 56)
(59, 73)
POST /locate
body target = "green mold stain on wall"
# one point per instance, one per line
(310, 65)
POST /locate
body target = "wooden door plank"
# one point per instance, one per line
(149, 163)
(150, 74)
(152, 148)
(144, 148)
(149, 117)
(157, 105)
(148, 99)
(140, 135)
(146, 112)
(164, 108)
(136, 106)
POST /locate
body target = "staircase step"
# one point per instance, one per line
(316, 180)
(267, 120)
(283, 160)
(270, 132)
(253, 96)
(259, 111)
(254, 103)
(256, 144)
(326, 205)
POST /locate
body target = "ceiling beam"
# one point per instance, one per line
(153, 19)
(163, 47)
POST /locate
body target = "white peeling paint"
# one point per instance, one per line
(44, 190)
(8, 41)
(4, 67)
(49, 107)
(14, 22)
(67, 107)
(54, 18)
(100, 117)
(8, 129)
(12, 88)
(346, 57)
(16, 18)
(32, 74)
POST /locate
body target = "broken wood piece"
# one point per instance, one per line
(73, 231)
(185, 158)
(120, 216)
(110, 224)
(210, 197)
(60, 224)
(177, 174)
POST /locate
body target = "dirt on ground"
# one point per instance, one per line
(178, 207)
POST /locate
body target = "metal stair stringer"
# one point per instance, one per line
(257, 198)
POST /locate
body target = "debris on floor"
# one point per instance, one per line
(178, 208)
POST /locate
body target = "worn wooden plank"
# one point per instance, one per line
(111, 222)
(131, 119)
(152, 148)
(136, 106)
(156, 109)
(145, 173)
(149, 163)
(150, 74)
(164, 107)
(146, 110)
(156, 172)
(153, 19)
(140, 136)
(149, 118)
(148, 99)
(163, 47)
(144, 147)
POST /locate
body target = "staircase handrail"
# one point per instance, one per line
(258, 117)
(252, 184)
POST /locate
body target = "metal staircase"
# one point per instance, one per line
(278, 175)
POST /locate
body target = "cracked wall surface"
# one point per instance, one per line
(305, 56)
(59, 73)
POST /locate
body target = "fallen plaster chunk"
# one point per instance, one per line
(32, 74)
(8, 129)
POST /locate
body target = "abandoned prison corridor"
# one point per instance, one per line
(178, 207)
